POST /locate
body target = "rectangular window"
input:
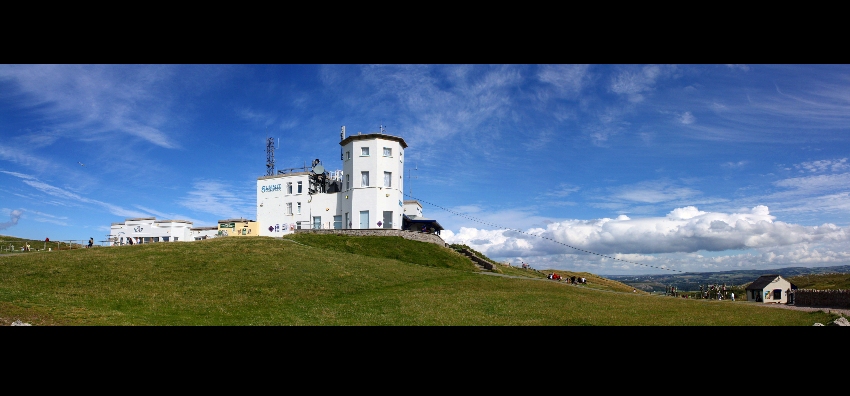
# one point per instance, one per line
(347, 155)
(388, 152)
(289, 188)
(364, 151)
(388, 179)
(364, 179)
(317, 222)
(299, 208)
(289, 208)
(299, 187)
(388, 219)
(347, 183)
(337, 222)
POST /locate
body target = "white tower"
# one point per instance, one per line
(373, 183)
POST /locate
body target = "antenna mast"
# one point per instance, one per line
(341, 138)
(269, 155)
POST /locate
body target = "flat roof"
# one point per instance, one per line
(280, 175)
(370, 136)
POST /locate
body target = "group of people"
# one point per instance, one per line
(572, 280)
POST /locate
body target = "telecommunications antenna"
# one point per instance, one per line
(270, 156)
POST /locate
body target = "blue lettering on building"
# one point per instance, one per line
(271, 188)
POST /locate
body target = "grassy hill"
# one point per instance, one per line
(330, 280)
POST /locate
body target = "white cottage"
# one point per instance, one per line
(770, 289)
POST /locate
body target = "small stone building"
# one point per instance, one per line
(771, 289)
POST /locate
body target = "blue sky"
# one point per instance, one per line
(609, 169)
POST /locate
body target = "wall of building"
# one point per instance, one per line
(238, 227)
(148, 229)
(377, 198)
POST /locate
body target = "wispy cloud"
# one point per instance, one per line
(823, 166)
(66, 195)
(96, 100)
(218, 198)
(652, 192)
(635, 83)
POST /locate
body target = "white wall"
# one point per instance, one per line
(272, 194)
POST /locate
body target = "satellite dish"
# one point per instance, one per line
(319, 169)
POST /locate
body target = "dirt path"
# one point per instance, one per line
(842, 311)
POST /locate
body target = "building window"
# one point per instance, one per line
(347, 155)
(364, 179)
(317, 222)
(299, 187)
(347, 182)
(364, 151)
(337, 222)
(299, 208)
(289, 208)
(388, 152)
(388, 219)
(388, 179)
(289, 188)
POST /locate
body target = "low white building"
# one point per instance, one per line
(770, 289)
(367, 193)
(148, 230)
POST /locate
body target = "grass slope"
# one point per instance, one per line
(327, 280)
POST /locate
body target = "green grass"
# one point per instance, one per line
(822, 281)
(329, 280)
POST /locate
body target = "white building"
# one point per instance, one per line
(366, 194)
(149, 229)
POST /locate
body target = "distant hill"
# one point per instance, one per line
(691, 281)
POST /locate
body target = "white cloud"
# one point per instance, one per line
(634, 83)
(96, 100)
(687, 118)
(685, 230)
(824, 165)
(813, 184)
(218, 198)
(652, 192)
(567, 80)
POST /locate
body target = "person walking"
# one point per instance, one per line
(91, 242)
(733, 296)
